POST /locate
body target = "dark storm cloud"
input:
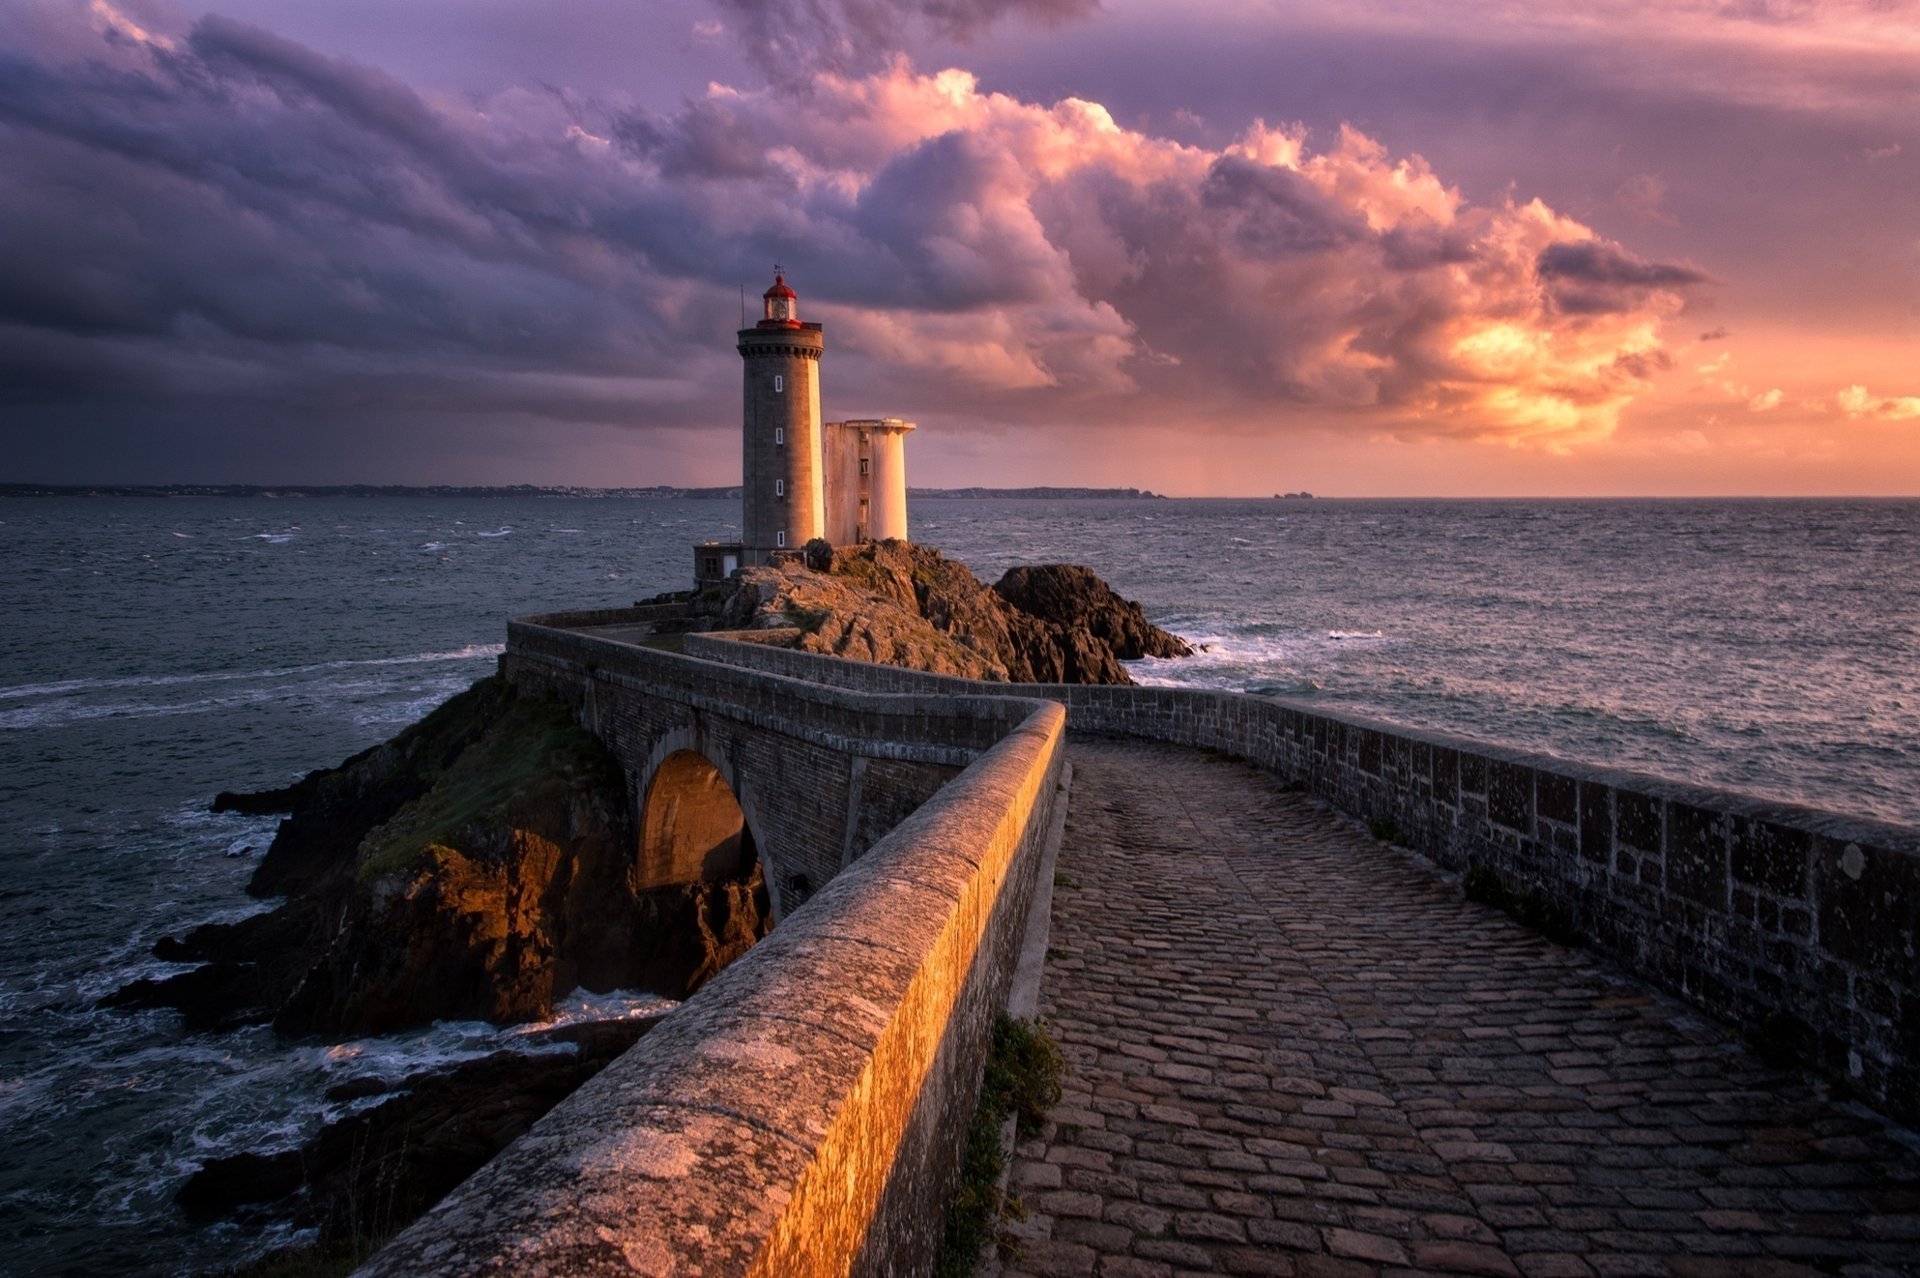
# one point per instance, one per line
(1597, 278)
(1276, 212)
(261, 215)
(1608, 265)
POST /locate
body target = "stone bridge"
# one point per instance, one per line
(1293, 1047)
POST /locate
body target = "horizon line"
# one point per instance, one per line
(30, 488)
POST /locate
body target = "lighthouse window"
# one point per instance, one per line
(779, 539)
(779, 434)
(779, 383)
(779, 488)
(863, 465)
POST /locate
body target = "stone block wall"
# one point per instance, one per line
(1797, 923)
(803, 1113)
(800, 758)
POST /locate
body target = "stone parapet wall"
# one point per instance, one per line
(634, 615)
(802, 1114)
(1793, 922)
(930, 727)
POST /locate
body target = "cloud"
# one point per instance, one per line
(222, 216)
(1766, 401)
(1855, 402)
(1645, 196)
(793, 40)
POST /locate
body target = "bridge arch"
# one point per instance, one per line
(697, 823)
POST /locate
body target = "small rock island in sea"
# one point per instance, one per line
(479, 866)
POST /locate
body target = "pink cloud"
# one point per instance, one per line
(315, 231)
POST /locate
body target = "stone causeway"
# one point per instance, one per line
(1293, 1051)
(1293, 1046)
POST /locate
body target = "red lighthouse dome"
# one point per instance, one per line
(780, 305)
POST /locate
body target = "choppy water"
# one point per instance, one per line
(155, 651)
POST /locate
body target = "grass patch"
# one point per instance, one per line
(1022, 1079)
(1532, 908)
(858, 568)
(665, 642)
(1384, 830)
(533, 753)
(807, 620)
(1064, 881)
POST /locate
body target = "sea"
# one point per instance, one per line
(154, 651)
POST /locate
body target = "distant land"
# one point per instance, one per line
(513, 490)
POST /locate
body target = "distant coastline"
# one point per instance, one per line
(727, 492)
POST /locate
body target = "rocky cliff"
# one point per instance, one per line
(900, 604)
(474, 867)
(484, 861)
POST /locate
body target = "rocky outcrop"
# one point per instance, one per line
(475, 867)
(1070, 597)
(899, 604)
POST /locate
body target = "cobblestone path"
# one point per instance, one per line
(1291, 1051)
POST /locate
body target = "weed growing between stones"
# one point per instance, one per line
(1021, 1080)
(1532, 908)
(1384, 830)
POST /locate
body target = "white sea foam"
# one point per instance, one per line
(504, 532)
(1222, 660)
(1284, 664)
(394, 1056)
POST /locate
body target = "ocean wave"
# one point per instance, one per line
(62, 687)
(67, 701)
(504, 532)
(58, 713)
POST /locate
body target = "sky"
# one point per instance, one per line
(1215, 247)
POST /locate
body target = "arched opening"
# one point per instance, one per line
(692, 829)
(697, 878)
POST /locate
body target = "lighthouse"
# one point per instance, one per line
(782, 498)
(801, 478)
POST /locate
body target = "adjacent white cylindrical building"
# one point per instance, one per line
(888, 456)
